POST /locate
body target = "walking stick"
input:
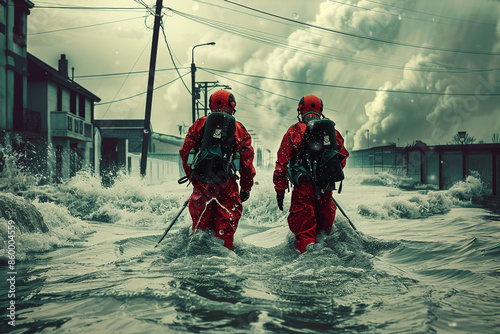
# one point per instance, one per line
(172, 223)
(350, 223)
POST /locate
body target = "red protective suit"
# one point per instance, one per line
(308, 215)
(218, 206)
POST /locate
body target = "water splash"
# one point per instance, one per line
(39, 227)
(462, 193)
(16, 164)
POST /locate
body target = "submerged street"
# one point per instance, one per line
(432, 268)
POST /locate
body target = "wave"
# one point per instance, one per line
(128, 201)
(343, 247)
(42, 227)
(428, 203)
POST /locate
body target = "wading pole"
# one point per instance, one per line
(172, 223)
(350, 223)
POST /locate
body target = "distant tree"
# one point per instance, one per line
(495, 138)
(457, 140)
(413, 143)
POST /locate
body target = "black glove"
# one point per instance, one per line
(244, 195)
(280, 198)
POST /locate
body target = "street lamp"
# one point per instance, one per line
(461, 136)
(194, 94)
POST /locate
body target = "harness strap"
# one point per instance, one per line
(205, 209)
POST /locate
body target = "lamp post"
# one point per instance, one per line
(194, 93)
(461, 136)
(346, 141)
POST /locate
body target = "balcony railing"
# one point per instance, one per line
(66, 124)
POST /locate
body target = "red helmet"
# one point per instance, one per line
(310, 103)
(224, 101)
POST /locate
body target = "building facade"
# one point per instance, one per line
(13, 63)
(45, 117)
(62, 111)
(121, 148)
(439, 165)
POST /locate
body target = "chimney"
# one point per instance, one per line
(63, 65)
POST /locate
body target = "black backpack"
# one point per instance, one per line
(321, 160)
(213, 163)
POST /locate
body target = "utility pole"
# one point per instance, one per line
(206, 98)
(195, 93)
(205, 85)
(151, 81)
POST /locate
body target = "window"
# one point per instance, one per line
(72, 103)
(3, 19)
(81, 106)
(19, 20)
(18, 102)
(59, 99)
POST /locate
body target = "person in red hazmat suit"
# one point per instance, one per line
(310, 211)
(216, 202)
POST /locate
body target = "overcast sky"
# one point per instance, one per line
(374, 63)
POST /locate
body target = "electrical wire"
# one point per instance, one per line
(270, 19)
(401, 16)
(122, 73)
(89, 8)
(345, 87)
(256, 88)
(433, 14)
(347, 34)
(145, 5)
(141, 2)
(132, 96)
(81, 27)
(253, 34)
(171, 57)
(123, 82)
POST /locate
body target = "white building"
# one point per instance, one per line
(64, 111)
(51, 115)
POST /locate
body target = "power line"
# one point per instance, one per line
(121, 73)
(256, 88)
(343, 33)
(123, 83)
(269, 19)
(132, 96)
(433, 14)
(348, 87)
(81, 27)
(172, 58)
(88, 8)
(253, 34)
(401, 16)
(145, 5)
(166, 41)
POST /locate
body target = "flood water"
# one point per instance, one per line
(424, 262)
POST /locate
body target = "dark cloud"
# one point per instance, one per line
(298, 53)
